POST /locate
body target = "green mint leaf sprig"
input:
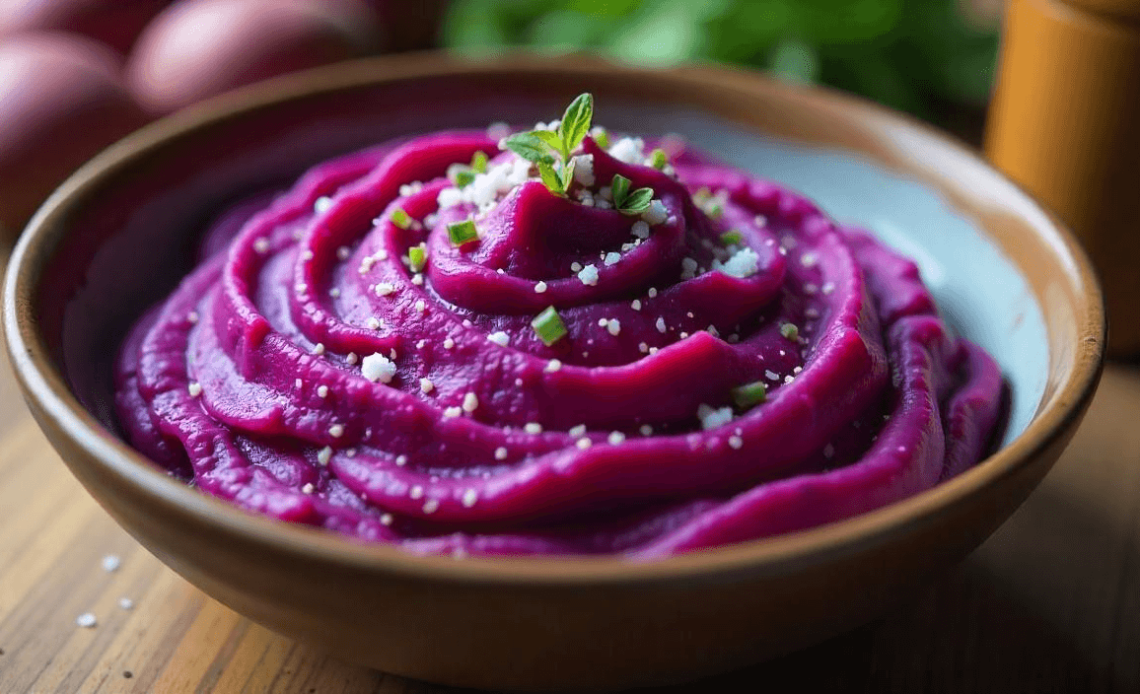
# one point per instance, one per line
(552, 151)
(626, 202)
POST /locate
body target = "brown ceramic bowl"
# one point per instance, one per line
(116, 236)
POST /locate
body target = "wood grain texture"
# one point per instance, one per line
(1051, 603)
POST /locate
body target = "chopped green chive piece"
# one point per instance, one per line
(462, 232)
(602, 138)
(461, 175)
(548, 326)
(417, 257)
(731, 237)
(401, 218)
(658, 158)
(479, 162)
(790, 331)
(750, 394)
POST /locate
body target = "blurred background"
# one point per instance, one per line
(76, 75)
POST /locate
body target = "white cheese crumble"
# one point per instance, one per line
(612, 258)
(589, 275)
(711, 418)
(308, 488)
(577, 431)
(373, 323)
(420, 306)
(431, 506)
(195, 389)
(261, 245)
(500, 453)
(500, 338)
(378, 368)
(615, 438)
(614, 327)
(452, 412)
(652, 292)
(640, 229)
(540, 288)
(470, 402)
(629, 150)
(126, 604)
(336, 431)
(324, 455)
(448, 343)
(743, 263)
(552, 366)
(319, 348)
(635, 304)
(532, 428)
(735, 442)
(688, 268)
(583, 443)
(416, 492)
(584, 169)
(656, 213)
(660, 325)
(470, 497)
(646, 430)
(426, 385)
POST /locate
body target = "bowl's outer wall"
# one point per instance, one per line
(107, 238)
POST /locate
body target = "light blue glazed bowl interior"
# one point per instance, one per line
(979, 290)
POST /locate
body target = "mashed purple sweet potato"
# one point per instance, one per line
(721, 361)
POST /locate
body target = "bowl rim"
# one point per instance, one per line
(46, 389)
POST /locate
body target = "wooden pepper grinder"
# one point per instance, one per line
(1065, 123)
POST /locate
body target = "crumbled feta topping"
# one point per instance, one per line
(308, 488)
(532, 428)
(712, 418)
(589, 275)
(735, 442)
(540, 288)
(343, 253)
(261, 245)
(194, 388)
(688, 268)
(656, 213)
(584, 169)
(640, 229)
(660, 324)
(378, 368)
(652, 292)
(352, 358)
(319, 348)
(431, 506)
(426, 385)
(501, 453)
(500, 338)
(448, 343)
(629, 150)
(401, 460)
(577, 431)
(336, 431)
(743, 263)
(615, 438)
(614, 327)
(416, 492)
(552, 366)
(645, 430)
(420, 305)
(583, 443)
(470, 498)
(612, 258)
(635, 304)
(324, 455)
(470, 402)
(453, 412)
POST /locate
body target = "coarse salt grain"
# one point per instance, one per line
(126, 604)
(86, 620)
(111, 563)
(712, 418)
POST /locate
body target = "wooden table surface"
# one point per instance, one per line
(1051, 603)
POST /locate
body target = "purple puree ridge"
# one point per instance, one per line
(247, 381)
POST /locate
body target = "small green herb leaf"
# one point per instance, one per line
(550, 177)
(619, 190)
(576, 122)
(790, 331)
(658, 158)
(602, 138)
(551, 138)
(637, 201)
(530, 147)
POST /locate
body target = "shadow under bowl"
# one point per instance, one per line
(120, 233)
